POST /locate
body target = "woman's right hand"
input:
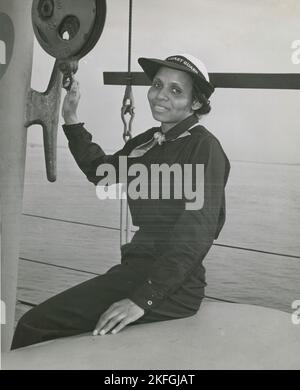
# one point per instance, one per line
(70, 104)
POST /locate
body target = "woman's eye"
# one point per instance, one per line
(176, 91)
(156, 84)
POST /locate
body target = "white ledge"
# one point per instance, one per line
(220, 336)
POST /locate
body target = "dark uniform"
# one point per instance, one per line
(161, 269)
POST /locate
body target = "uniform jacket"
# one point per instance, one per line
(174, 239)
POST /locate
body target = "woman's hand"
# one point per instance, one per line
(70, 104)
(118, 316)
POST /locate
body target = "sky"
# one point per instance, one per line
(228, 36)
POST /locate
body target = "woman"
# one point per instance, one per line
(161, 276)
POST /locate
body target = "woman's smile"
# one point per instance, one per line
(170, 97)
(160, 108)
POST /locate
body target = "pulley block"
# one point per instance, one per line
(68, 28)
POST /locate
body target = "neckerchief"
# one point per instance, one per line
(159, 137)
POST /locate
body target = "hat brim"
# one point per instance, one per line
(151, 66)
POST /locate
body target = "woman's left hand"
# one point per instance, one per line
(118, 316)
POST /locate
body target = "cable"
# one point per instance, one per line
(26, 303)
(58, 266)
(130, 36)
(219, 299)
(258, 251)
(71, 222)
(132, 231)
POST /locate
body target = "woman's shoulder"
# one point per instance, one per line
(201, 134)
(205, 140)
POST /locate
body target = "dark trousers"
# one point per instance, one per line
(78, 309)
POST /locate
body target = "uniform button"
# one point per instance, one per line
(149, 303)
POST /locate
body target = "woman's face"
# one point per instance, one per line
(171, 97)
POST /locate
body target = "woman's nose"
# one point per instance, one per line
(162, 94)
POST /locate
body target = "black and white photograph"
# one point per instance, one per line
(150, 187)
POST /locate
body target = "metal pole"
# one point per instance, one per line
(15, 79)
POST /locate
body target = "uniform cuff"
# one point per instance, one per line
(72, 131)
(146, 296)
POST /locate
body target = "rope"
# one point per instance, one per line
(130, 36)
(58, 266)
(117, 229)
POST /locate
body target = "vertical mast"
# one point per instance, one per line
(15, 77)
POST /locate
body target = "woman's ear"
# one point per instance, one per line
(196, 105)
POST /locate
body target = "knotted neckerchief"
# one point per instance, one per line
(159, 137)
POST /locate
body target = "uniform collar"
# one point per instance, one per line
(180, 128)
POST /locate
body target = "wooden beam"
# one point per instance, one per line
(122, 78)
(219, 80)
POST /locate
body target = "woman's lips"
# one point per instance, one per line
(159, 108)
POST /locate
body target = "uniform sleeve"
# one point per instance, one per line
(89, 155)
(193, 233)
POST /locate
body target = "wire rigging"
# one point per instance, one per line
(130, 36)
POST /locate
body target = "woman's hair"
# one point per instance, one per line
(199, 95)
